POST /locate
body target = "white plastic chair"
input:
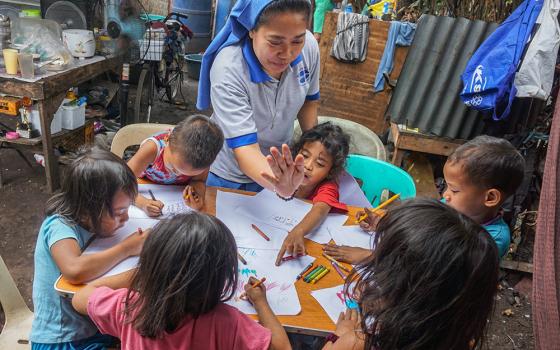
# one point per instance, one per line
(15, 334)
(134, 134)
(362, 140)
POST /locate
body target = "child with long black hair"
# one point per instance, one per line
(96, 192)
(430, 284)
(324, 149)
(175, 299)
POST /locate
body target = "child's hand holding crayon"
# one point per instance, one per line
(368, 219)
(192, 199)
(294, 245)
(152, 207)
(255, 291)
(135, 241)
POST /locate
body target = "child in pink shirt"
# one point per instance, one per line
(175, 299)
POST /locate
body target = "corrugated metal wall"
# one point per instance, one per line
(427, 92)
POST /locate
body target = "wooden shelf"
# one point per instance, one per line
(36, 141)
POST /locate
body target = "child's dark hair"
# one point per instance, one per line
(198, 139)
(90, 183)
(431, 282)
(491, 162)
(335, 141)
(280, 6)
(187, 266)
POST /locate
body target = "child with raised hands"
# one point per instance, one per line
(93, 202)
(176, 298)
(181, 156)
(324, 149)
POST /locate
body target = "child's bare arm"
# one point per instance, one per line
(257, 296)
(197, 191)
(78, 268)
(294, 243)
(138, 164)
(81, 297)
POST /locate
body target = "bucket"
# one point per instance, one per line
(199, 21)
(193, 65)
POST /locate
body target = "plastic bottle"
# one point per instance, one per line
(349, 8)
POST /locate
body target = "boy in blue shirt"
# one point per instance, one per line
(480, 175)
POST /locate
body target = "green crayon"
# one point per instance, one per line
(315, 274)
(310, 272)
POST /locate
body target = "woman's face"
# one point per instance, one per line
(278, 42)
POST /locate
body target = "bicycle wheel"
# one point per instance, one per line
(174, 81)
(144, 96)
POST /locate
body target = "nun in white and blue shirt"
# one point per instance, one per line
(260, 73)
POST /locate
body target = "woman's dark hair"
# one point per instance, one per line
(431, 282)
(89, 186)
(281, 6)
(187, 266)
(335, 141)
(198, 140)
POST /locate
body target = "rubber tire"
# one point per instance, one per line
(144, 96)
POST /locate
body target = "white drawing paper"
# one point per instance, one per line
(322, 234)
(281, 292)
(101, 244)
(350, 192)
(267, 207)
(352, 236)
(171, 196)
(332, 300)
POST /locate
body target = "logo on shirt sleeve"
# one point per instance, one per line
(303, 75)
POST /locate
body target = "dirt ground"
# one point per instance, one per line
(23, 197)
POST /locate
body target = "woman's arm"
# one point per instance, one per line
(307, 115)
(81, 297)
(294, 243)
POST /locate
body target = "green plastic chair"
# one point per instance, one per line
(377, 175)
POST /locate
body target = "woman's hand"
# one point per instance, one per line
(294, 245)
(287, 172)
(192, 199)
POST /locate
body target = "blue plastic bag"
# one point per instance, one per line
(489, 74)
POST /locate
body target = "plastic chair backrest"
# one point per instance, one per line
(18, 316)
(134, 134)
(377, 175)
(362, 140)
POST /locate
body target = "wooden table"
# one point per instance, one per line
(312, 320)
(49, 93)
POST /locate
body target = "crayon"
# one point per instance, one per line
(317, 273)
(259, 282)
(152, 195)
(240, 257)
(304, 271)
(259, 231)
(338, 270)
(291, 257)
(380, 206)
(321, 275)
(333, 260)
(311, 272)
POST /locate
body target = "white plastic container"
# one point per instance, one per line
(73, 116)
(56, 124)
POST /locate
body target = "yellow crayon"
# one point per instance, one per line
(316, 279)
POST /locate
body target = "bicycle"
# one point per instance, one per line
(162, 68)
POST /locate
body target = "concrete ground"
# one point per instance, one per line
(23, 197)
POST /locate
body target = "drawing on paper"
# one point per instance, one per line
(172, 209)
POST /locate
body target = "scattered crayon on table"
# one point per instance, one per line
(321, 275)
(260, 232)
(304, 271)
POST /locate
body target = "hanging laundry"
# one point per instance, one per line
(534, 78)
(351, 40)
(401, 34)
(488, 78)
